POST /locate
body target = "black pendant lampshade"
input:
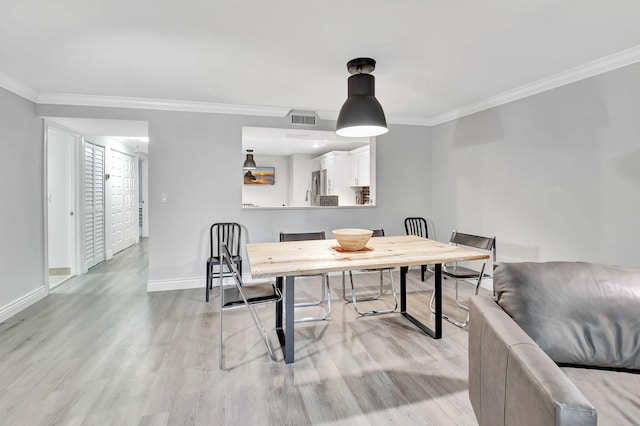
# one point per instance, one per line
(249, 162)
(361, 115)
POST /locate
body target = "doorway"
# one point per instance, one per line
(62, 182)
(97, 213)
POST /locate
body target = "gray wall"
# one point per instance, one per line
(22, 195)
(554, 176)
(196, 159)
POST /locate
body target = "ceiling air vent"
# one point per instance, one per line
(302, 118)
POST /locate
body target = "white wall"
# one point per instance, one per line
(22, 241)
(267, 195)
(292, 180)
(555, 176)
(300, 174)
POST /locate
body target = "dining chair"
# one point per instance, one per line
(417, 226)
(325, 288)
(239, 295)
(457, 272)
(354, 296)
(229, 234)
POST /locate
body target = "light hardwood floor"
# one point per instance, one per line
(100, 350)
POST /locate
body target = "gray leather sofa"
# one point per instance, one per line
(559, 345)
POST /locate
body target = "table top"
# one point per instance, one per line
(322, 256)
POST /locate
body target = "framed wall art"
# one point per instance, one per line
(260, 176)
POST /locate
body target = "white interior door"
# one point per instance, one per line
(94, 251)
(62, 150)
(124, 219)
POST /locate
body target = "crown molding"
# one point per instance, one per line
(409, 120)
(590, 69)
(18, 88)
(599, 66)
(159, 104)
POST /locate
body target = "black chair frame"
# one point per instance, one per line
(325, 289)
(458, 272)
(229, 234)
(241, 296)
(417, 226)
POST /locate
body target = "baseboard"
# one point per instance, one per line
(59, 271)
(24, 302)
(175, 284)
(181, 284)
(487, 283)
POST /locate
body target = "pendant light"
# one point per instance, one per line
(249, 162)
(361, 115)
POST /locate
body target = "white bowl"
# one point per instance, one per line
(352, 239)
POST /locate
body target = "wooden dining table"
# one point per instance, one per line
(299, 258)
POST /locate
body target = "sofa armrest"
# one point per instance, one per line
(512, 381)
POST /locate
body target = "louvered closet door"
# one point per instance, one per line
(94, 252)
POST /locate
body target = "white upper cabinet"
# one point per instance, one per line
(360, 167)
(336, 163)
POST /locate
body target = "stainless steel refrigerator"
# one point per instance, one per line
(318, 186)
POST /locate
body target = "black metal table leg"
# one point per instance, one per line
(289, 320)
(279, 305)
(437, 333)
(286, 334)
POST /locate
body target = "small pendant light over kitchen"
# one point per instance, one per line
(361, 115)
(249, 162)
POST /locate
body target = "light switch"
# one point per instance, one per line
(163, 197)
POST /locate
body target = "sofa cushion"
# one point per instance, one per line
(578, 313)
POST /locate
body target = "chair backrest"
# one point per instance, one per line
(229, 233)
(475, 241)
(378, 233)
(416, 226)
(301, 236)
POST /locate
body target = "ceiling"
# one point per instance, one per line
(268, 141)
(104, 127)
(128, 132)
(435, 58)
